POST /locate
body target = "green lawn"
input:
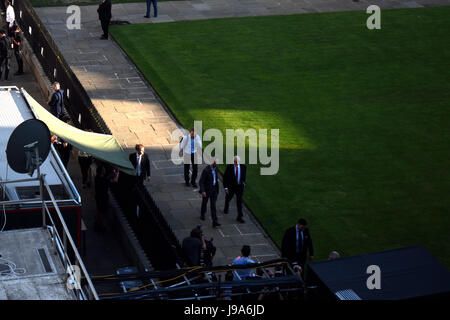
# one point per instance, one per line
(363, 116)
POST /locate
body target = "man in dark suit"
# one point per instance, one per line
(104, 14)
(296, 243)
(141, 163)
(234, 183)
(209, 188)
(56, 101)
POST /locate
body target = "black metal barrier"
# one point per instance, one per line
(152, 229)
(145, 218)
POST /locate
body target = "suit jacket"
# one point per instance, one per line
(206, 181)
(104, 10)
(288, 245)
(229, 177)
(56, 102)
(145, 164)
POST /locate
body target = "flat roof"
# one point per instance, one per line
(404, 273)
(13, 111)
(39, 273)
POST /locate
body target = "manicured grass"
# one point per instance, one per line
(363, 116)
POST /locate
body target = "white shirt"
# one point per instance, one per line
(234, 173)
(186, 143)
(138, 164)
(10, 15)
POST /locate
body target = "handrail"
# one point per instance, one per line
(58, 159)
(69, 237)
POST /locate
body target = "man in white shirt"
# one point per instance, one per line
(10, 17)
(190, 146)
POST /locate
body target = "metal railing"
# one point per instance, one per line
(63, 243)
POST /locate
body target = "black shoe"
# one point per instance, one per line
(240, 220)
(18, 73)
(202, 218)
(194, 185)
(146, 16)
(225, 212)
(103, 37)
(216, 224)
(187, 184)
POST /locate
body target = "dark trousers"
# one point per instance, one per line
(239, 191)
(155, 7)
(194, 170)
(10, 30)
(19, 61)
(57, 111)
(300, 259)
(85, 163)
(105, 27)
(4, 66)
(140, 180)
(212, 200)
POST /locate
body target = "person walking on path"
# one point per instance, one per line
(104, 15)
(141, 163)
(209, 189)
(10, 18)
(155, 8)
(190, 146)
(56, 101)
(234, 183)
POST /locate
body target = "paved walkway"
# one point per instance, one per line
(134, 114)
(209, 9)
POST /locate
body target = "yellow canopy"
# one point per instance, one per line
(100, 146)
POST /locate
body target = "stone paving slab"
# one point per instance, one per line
(134, 114)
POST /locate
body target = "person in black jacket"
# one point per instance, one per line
(296, 243)
(56, 101)
(17, 41)
(141, 163)
(209, 188)
(234, 183)
(5, 56)
(104, 14)
(193, 246)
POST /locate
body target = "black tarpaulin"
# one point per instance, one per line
(405, 273)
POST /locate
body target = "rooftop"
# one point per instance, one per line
(37, 274)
